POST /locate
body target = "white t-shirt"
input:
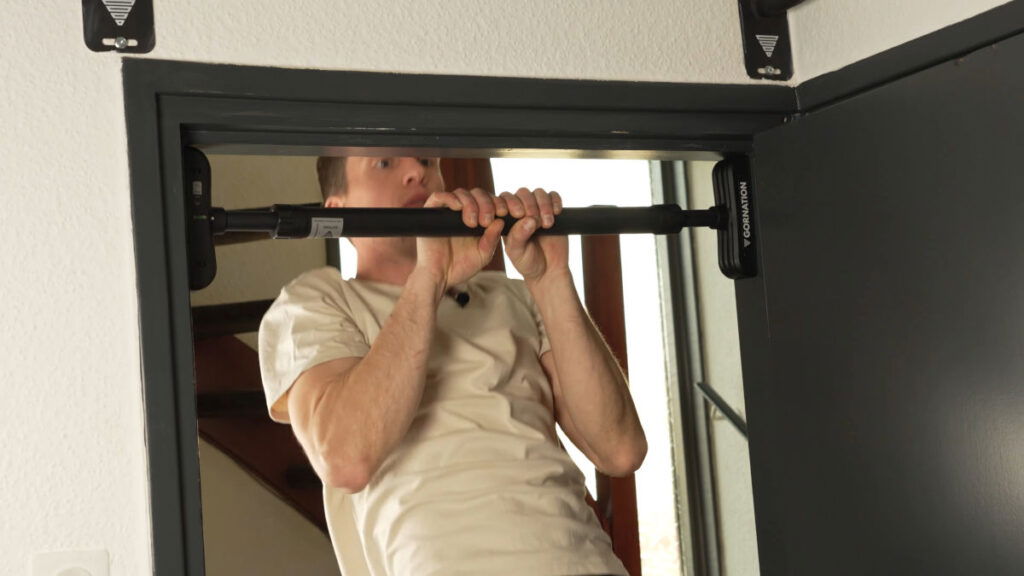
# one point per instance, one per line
(480, 484)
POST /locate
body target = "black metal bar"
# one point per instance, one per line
(303, 222)
(723, 407)
(240, 238)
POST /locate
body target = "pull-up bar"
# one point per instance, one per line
(731, 217)
(288, 221)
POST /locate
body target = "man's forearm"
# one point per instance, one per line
(593, 387)
(360, 420)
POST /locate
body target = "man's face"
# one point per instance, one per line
(395, 182)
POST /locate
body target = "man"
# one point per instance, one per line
(431, 419)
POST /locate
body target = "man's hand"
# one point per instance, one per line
(457, 259)
(537, 257)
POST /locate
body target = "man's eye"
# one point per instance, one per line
(384, 163)
(426, 162)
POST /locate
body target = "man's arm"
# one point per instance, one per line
(592, 401)
(349, 414)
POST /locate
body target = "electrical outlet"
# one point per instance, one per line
(71, 563)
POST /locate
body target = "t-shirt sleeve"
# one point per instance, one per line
(309, 323)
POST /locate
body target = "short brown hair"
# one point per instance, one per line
(330, 170)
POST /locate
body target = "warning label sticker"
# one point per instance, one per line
(326, 227)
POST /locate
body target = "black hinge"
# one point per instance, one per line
(766, 47)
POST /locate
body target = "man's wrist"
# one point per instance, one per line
(423, 278)
(552, 279)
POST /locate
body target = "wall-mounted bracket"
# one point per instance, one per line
(121, 25)
(202, 259)
(766, 48)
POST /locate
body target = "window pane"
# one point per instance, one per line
(656, 492)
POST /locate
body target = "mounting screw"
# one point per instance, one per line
(120, 43)
(769, 71)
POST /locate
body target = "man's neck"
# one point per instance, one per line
(381, 263)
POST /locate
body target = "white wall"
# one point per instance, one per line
(73, 473)
(665, 40)
(831, 34)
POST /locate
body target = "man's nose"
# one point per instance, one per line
(413, 171)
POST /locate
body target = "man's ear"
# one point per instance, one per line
(334, 201)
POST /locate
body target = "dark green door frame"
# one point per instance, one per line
(245, 110)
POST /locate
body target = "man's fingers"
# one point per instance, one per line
(469, 207)
(529, 202)
(481, 209)
(522, 230)
(489, 241)
(438, 199)
(517, 242)
(500, 206)
(515, 205)
(485, 206)
(545, 207)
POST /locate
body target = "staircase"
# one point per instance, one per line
(232, 410)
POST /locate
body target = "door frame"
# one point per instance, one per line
(255, 110)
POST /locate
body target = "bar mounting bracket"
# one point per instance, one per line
(764, 26)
